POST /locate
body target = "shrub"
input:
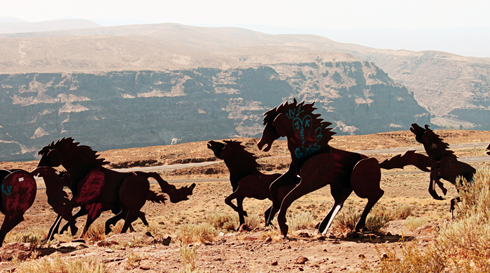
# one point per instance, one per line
(189, 233)
(34, 236)
(412, 224)
(301, 221)
(222, 221)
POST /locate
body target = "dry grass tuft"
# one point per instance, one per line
(96, 231)
(223, 221)
(460, 245)
(190, 233)
(413, 260)
(34, 236)
(412, 224)
(188, 258)
(54, 264)
(302, 220)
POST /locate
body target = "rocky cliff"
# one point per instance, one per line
(122, 109)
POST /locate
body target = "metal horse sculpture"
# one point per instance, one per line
(441, 160)
(94, 185)
(245, 178)
(317, 163)
(18, 194)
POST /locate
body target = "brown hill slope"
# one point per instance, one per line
(454, 89)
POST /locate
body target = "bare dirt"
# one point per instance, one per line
(262, 249)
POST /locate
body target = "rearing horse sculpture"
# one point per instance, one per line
(127, 190)
(441, 160)
(245, 178)
(317, 163)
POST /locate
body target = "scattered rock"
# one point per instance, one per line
(301, 260)
(274, 263)
(129, 238)
(167, 241)
(362, 256)
(145, 267)
(384, 256)
(23, 251)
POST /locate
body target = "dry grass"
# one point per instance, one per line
(302, 220)
(223, 221)
(191, 233)
(54, 264)
(34, 236)
(460, 245)
(188, 258)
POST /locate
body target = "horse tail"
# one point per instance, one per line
(155, 197)
(420, 161)
(176, 195)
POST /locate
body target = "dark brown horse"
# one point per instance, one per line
(91, 183)
(18, 194)
(245, 178)
(317, 163)
(445, 164)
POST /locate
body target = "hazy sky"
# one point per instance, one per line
(333, 14)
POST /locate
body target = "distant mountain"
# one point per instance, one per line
(449, 86)
(117, 87)
(13, 25)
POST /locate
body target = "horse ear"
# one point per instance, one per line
(55, 157)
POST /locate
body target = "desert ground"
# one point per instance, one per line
(200, 234)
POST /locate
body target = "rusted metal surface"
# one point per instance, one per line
(245, 178)
(317, 163)
(91, 183)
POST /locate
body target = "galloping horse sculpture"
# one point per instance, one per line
(18, 194)
(317, 163)
(441, 160)
(245, 178)
(91, 183)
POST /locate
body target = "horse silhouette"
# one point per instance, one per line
(245, 178)
(441, 160)
(94, 185)
(317, 163)
(18, 194)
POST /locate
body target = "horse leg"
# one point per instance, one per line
(239, 199)
(9, 224)
(287, 179)
(54, 228)
(130, 218)
(113, 221)
(81, 212)
(267, 213)
(365, 179)
(94, 211)
(371, 202)
(340, 194)
(304, 187)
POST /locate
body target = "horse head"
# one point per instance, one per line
(216, 147)
(418, 131)
(50, 157)
(270, 133)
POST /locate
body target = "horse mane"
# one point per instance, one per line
(320, 133)
(434, 145)
(71, 150)
(246, 158)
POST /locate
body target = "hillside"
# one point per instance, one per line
(454, 89)
(118, 87)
